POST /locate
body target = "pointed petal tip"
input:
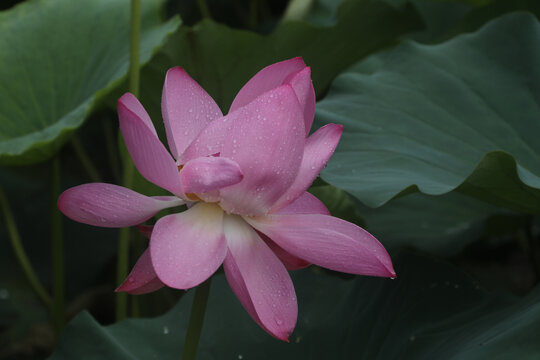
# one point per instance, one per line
(285, 339)
(282, 335)
(124, 286)
(124, 96)
(125, 99)
(297, 58)
(387, 268)
(393, 274)
(336, 127)
(175, 69)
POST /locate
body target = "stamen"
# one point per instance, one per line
(193, 197)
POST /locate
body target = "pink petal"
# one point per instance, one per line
(305, 204)
(142, 279)
(303, 87)
(108, 205)
(318, 150)
(188, 247)
(266, 139)
(328, 242)
(132, 103)
(259, 279)
(148, 153)
(206, 174)
(267, 79)
(186, 109)
(290, 261)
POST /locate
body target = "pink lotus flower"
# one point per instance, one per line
(244, 178)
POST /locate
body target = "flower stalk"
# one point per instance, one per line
(128, 168)
(87, 164)
(196, 319)
(20, 253)
(203, 8)
(57, 247)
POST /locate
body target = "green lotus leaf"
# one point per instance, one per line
(460, 115)
(223, 59)
(431, 311)
(58, 58)
(441, 225)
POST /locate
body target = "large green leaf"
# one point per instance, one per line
(441, 225)
(222, 59)
(58, 58)
(474, 19)
(463, 114)
(88, 250)
(316, 12)
(432, 311)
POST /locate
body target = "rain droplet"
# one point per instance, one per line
(165, 330)
(240, 356)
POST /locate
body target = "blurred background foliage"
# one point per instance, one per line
(439, 160)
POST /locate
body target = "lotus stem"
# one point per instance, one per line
(85, 159)
(134, 47)
(253, 13)
(20, 253)
(57, 244)
(111, 142)
(196, 319)
(128, 168)
(203, 8)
